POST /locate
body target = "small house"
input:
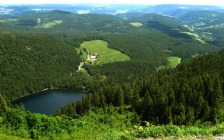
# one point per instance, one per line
(93, 57)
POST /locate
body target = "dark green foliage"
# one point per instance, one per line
(92, 126)
(36, 125)
(191, 92)
(16, 119)
(167, 29)
(3, 105)
(27, 22)
(30, 64)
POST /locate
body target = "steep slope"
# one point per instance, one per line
(30, 64)
(192, 92)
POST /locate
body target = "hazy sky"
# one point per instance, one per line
(199, 2)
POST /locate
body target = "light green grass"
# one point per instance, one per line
(9, 20)
(173, 62)
(83, 71)
(8, 137)
(106, 55)
(195, 36)
(136, 24)
(38, 20)
(49, 24)
(179, 132)
(84, 55)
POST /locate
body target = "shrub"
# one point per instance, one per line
(173, 130)
(219, 130)
(192, 130)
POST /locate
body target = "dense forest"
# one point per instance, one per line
(191, 92)
(128, 99)
(148, 46)
(32, 63)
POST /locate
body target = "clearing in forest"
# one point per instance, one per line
(48, 24)
(136, 24)
(99, 48)
(173, 62)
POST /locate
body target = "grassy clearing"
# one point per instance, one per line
(136, 24)
(173, 62)
(216, 26)
(38, 20)
(9, 20)
(106, 55)
(195, 36)
(50, 24)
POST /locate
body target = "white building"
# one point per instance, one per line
(93, 57)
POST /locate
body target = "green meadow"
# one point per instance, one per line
(173, 62)
(136, 24)
(106, 55)
(48, 24)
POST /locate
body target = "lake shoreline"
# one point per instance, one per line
(49, 100)
(43, 91)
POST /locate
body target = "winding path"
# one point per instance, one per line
(80, 66)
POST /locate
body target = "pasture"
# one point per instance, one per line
(136, 24)
(106, 55)
(51, 24)
(173, 62)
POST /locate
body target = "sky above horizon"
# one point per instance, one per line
(196, 2)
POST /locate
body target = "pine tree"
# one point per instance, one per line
(128, 94)
(3, 105)
(190, 115)
(182, 113)
(120, 97)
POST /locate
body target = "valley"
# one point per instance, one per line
(146, 71)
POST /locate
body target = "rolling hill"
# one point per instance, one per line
(151, 71)
(209, 25)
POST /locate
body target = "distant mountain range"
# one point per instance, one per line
(180, 10)
(165, 9)
(204, 23)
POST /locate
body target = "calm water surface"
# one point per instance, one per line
(47, 102)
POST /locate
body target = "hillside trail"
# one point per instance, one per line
(80, 66)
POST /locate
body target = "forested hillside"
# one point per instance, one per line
(191, 92)
(48, 41)
(208, 24)
(33, 63)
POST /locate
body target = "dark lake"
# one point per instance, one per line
(46, 102)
